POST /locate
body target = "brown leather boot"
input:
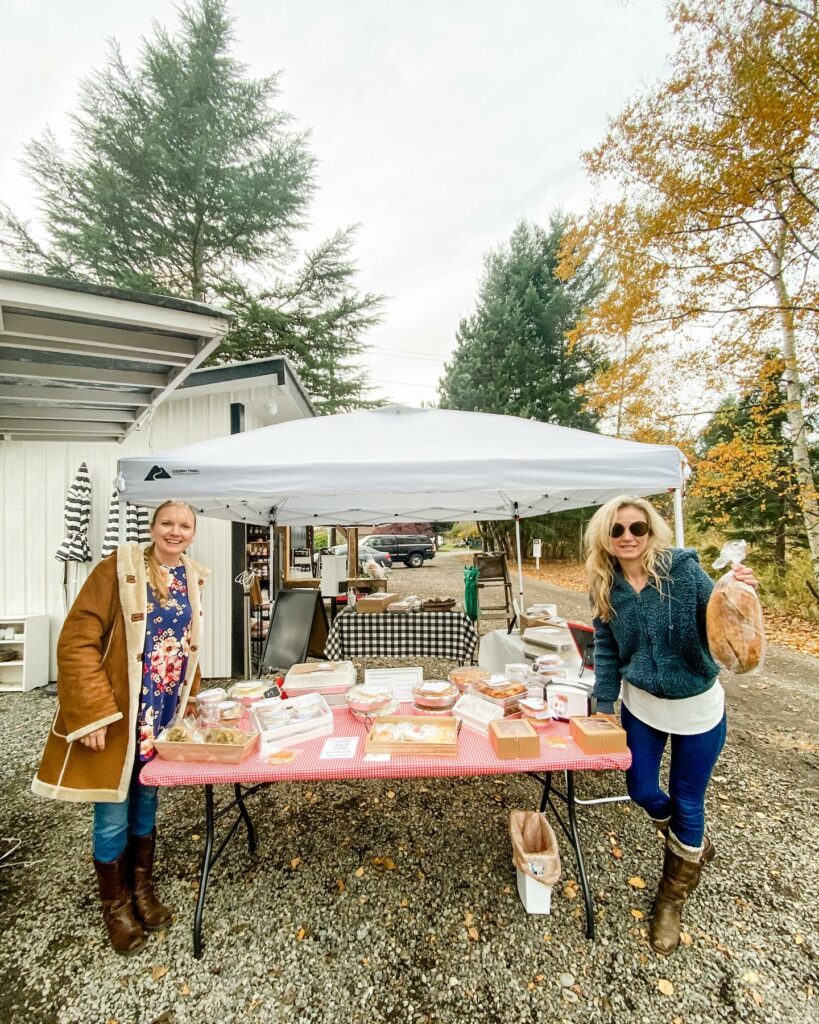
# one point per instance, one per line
(148, 908)
(681, 876)
(124, 930)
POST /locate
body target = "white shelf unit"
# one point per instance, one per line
(30, 643)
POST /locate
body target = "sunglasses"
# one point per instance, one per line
(638, 529)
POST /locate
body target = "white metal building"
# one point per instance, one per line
(59, 408)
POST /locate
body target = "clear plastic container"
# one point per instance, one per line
(503, 693)
(230, 711)
(249, 691)
(436, 694)
(467, 675)
(365, 699)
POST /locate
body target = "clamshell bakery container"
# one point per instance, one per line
(502, 697)
(305, 718)
(332, 679)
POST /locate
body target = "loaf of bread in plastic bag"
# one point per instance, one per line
(735, 627)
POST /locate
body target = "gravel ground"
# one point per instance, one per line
(357, 906)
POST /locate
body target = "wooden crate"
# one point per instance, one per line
(223, 753)
(445, 746)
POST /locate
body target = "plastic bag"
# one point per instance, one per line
(534, 846)
(733, 619)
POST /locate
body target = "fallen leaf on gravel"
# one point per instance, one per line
(547, 937)
(637, 913)
(531, 986)
(757, 998)
(390, 794)
(636, 882)
(665, 986)
(196, 838)
(798, 939)
(300, 934)
(472, 932)
(340, 884)
(159, 972)
(468, 918)
(404, 903)
(540, 977)
(185, 990)
(294, 863)
(359, 872)
(751, 977)
(507, 889)
(685, 939)
(570, 891)
(389, 864)
(616, 852)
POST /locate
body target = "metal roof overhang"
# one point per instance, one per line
(89, 363)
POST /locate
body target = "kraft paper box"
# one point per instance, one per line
(528, 621)
(598, 734)
(511, 738)
(375, 602)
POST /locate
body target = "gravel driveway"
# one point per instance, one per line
(359, 904)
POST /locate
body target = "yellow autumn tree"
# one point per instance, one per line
(716, 224)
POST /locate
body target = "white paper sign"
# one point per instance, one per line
(339, 748)
(399, 680)
(376, 757)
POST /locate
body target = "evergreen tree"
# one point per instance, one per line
(512, 353)
(184, 179)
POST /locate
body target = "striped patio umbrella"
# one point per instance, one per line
(137, 525)
(77, 511)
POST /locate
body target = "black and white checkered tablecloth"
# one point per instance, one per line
(402, 635)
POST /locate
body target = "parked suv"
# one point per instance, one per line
(410, 549)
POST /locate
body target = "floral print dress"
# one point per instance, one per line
(165, 659)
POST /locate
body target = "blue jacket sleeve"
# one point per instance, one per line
(606, 663)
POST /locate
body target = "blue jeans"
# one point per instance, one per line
(692, 761)
(135, 816)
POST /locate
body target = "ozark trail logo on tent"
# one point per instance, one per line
(158, 473)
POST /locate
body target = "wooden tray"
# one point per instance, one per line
(444, 746)
(224, 753)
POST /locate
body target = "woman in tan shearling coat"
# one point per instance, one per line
(128, 662)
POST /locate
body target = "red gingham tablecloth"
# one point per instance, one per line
(475, 757)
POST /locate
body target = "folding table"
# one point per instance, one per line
(558, 753)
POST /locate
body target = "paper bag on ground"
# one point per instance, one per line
(534, 846)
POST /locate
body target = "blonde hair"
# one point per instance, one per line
(600, 562)
(156, 575)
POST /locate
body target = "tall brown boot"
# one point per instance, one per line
(149, 910)
(124, 930)
(682, 868)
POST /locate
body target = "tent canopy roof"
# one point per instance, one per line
(400, 464)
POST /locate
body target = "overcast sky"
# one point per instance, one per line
(437, 124)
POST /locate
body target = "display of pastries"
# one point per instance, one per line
(500, 691)
(467, 675)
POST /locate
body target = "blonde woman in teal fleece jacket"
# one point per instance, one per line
(650, 648)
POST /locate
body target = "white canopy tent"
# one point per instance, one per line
(399, 464)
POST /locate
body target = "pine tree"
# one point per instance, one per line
(184, 179)
(512, 355)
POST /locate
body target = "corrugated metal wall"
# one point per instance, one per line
(34, 478)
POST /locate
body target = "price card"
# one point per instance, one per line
(339, 748)
(400, 681)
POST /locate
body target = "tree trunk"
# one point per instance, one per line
(779, 537)
(808, 497)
